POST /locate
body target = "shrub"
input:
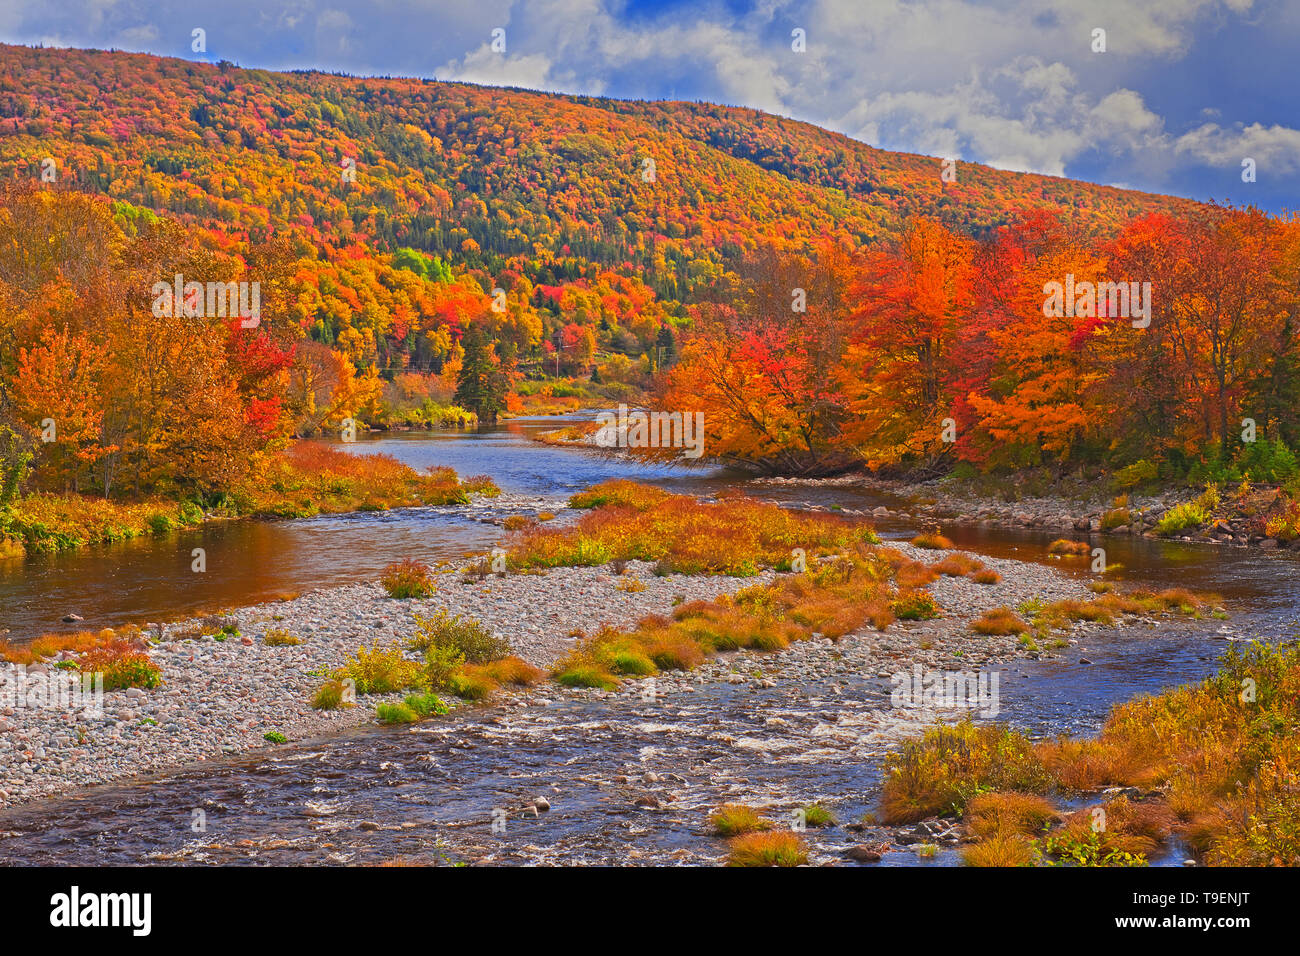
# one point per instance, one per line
(1284, 525)
(475, 642)
(1068, 547)
(932, 540)
(279, 637)
(408, 578)
(1088, 848)
(734, 819)
(330, 696)
(914, 606)
(1116, 518)
(380, 671)
(1209, 499)
(767, 849)
(442, 663)
(1181, 517)
(122, 666)
(275, 737)
(986, 576)
(481, 485)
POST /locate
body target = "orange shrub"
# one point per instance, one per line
(407, 578)
(737, 536)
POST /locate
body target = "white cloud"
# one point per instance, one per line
(1015, 85)
(1274, 148)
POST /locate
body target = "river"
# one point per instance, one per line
(429, 795)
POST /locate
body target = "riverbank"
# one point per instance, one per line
(1262, 517)
(1208, 765)
(307, 480)
(222, 695)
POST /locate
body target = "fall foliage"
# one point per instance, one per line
(940, 350)
(438, 253)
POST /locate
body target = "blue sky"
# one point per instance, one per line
(1184, 92)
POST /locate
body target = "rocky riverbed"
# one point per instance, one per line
(221, 697)
(1237, 522)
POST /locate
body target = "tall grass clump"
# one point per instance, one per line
(951, 765)
(767, 849)
(931, 540)
(734, 819)
(832, 599)
(736, 536)
(1212, 764)
(1066, 547)
(408, 578)
(122, 666)
(998, 621)
(1181, 517)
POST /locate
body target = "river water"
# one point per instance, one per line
(429, 795)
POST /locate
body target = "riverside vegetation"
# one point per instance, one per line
(308, 478)
(851, 583)
(1215, 765)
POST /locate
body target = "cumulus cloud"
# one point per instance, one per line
(1274, 148)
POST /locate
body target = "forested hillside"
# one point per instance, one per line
(544, 196)
(432, 251)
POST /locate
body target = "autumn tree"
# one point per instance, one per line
(759, 361)
(483, 382)
(910, 303)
